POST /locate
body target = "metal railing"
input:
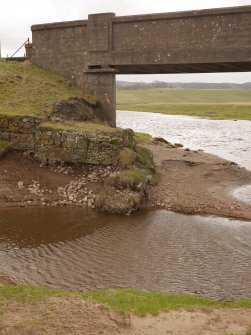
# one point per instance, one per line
(26, 42)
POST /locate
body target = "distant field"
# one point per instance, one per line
(215, 104)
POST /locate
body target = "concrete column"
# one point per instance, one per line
(28, 50)
(103, 85)
(100, 77)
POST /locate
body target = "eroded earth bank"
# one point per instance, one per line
(196, 182)
(190, 182)
(75, 316)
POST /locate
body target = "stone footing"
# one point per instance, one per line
(48, 145)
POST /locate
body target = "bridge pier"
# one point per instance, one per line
(103, 84)
(101, 78)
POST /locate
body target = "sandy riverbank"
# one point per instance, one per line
(191, 182)
(71, 315)
(195, 182)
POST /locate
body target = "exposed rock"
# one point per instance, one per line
(113, 201)
(74, 108)
(20, 184)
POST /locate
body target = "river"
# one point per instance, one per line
(225, 138)
(151, 250)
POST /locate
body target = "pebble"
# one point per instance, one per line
(20, 184)
(76, 192)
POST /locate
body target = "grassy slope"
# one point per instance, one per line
(28, 90)
(217, 104)
(123, 300)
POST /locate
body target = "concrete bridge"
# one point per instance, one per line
(91, 52)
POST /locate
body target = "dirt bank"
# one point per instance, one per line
(197, 322)
(191, 182)
(196, 182)
(71, 315)
(24, 182)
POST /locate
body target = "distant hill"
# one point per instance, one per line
(198, 86)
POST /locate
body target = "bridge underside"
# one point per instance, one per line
(182, 68)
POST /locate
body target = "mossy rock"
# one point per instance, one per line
(127, 158)
(113, 201)
(133, 179)
(76, 109)
(162, 141)
(144, 159)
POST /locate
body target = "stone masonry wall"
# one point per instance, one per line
(62, 48)
(49, 145)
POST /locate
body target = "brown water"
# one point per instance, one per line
(153, 250)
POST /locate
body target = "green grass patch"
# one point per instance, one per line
(213, 104)
(28, 90)
(136, 175)
(25, 293)
(122, 300)
(142, 303)
(79, 127)
(143, 138)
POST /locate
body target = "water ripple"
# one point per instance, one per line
(157, 250)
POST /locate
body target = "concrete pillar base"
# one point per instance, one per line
(102, 83)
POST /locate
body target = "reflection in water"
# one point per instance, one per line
(76, 249)
(29, 227)
(226, 138)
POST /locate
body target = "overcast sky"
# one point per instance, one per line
(16, 17)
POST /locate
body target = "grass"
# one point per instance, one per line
(134, 175)
(214, 104)
(142, 303)
(127, 179)
(143, 138)
(127, 158)
(79, 127)
(122, 300)
(25, 293)
(27, 90)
